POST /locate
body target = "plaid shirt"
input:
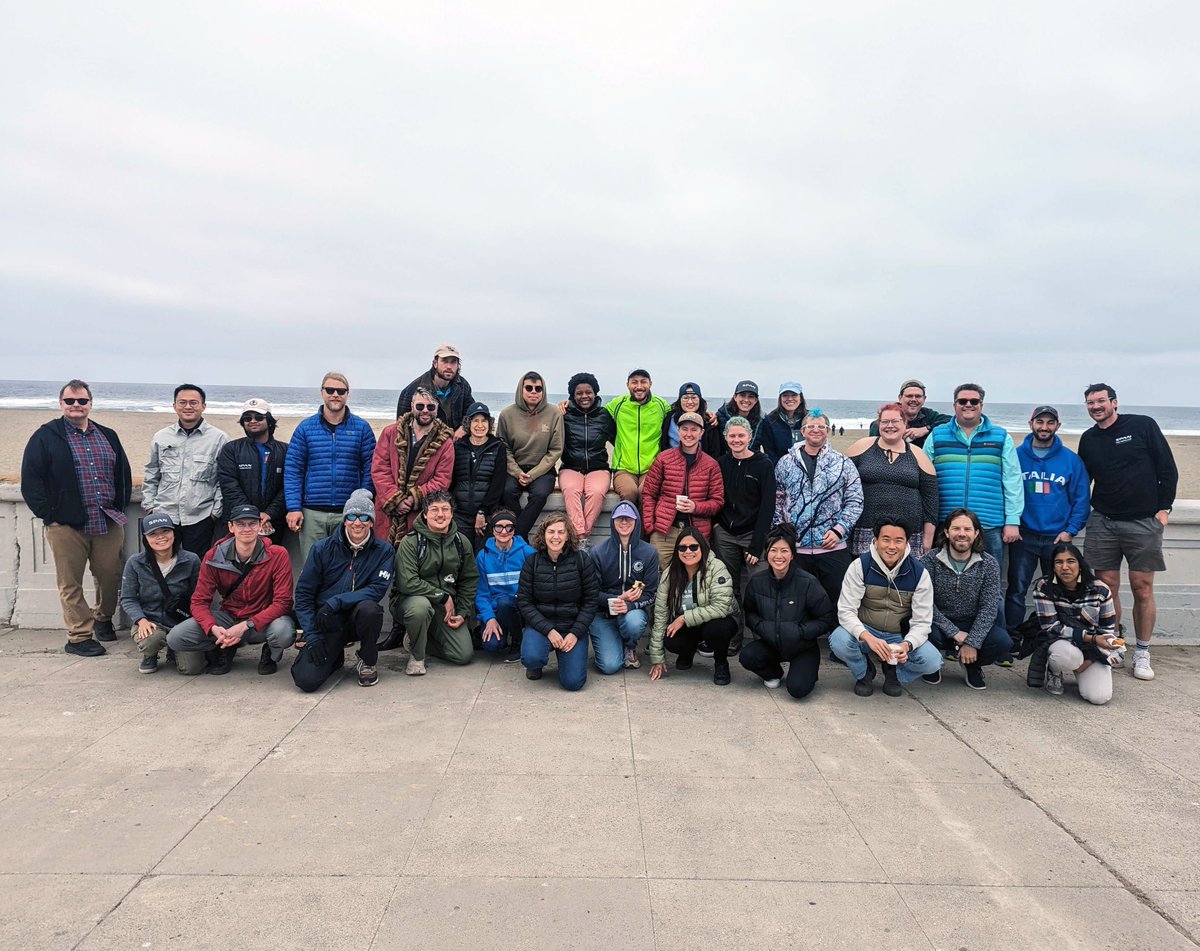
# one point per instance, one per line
(94, 462)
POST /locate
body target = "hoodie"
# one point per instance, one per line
(1057, 489)
(499, 572)
(895, 600)
(620, 567)
(534, 437)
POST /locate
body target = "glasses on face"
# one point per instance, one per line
(254, 418)
(188, 403)
(81, 400)
(533, 388)
(691, 546)
(816, 428)
(439, 511)
(336, 390)
(504, 528)
(359, 518)
(421, 407)
(968, 402)
(889, 422)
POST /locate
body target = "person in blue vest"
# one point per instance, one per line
(1057, 504)
(978, 469)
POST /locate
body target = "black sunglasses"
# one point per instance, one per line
(81, 400)
(254, 418)
(532, 388)
(689, 547)
(335, 390)
(504, 527)
(968, 402)
(421, 406)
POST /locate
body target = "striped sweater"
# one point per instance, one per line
(1087, 610)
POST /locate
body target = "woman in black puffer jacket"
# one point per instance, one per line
(787, 610)
(588, 430)
(480, 467)
(557, 595)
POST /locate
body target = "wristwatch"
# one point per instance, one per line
(250, 625)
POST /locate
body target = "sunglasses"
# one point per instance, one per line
(360, 518)
(504, 528)
(690, 547)
(336, 390)
(81, 400)
(254, 418)
(423, 406)
(968, 402)
(533, 388)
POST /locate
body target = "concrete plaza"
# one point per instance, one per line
(474, 809)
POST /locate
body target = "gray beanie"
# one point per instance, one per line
(361, 502)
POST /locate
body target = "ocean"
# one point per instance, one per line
(381, 404)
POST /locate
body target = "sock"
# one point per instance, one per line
(1143, 645)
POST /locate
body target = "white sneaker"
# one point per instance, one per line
(1054, 683)
(1141, 665)
(415, 668)
(772, 684)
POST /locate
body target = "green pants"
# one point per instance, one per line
(317, 525)
(425, 623)
(188, 662)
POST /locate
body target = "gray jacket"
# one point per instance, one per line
(141, 596)
(181, 474)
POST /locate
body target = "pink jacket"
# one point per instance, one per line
(432, 473)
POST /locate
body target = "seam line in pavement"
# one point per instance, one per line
(637, 792)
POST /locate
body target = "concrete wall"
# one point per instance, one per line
(29, 595)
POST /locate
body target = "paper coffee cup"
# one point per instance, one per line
(613, 604)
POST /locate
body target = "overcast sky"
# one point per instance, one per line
(845, 193)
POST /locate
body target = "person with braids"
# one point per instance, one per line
(818, 492)
(588, 430)
(695, 603)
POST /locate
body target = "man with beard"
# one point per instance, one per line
(445, 381)
(639, 418)
(250, 469)
(413, 457)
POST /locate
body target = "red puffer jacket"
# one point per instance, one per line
(668, 477)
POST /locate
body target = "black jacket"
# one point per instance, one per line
(559, 595)
(790, 613)
(478, 483)
(586, 437)
(239, 471)
(450, 408)
(749, 497)
(49, 484)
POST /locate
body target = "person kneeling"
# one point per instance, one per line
(337, 597)
(696, 593)
(436, 579)
(886, 611)
(253, 580)
(1075, 609)
(787, 609)
(557, 596)
(628, 571)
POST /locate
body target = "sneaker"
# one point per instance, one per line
(934, 678)
(533, 673)
(704, 650)
(149, 664)
(865, 686)
(415, 668)
(1141, 665)
(631, 658)
(514, 654)
(1004, 662)
(974, 676)
(88, 648)
(103, 631)
(891, 683)
(684, 663)
(1054, 683)
(772, 683)
(721, 675)
(367, 676)
(221, 660)
(265, 664)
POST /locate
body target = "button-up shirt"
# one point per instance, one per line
(94, 463)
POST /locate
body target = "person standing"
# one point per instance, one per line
(1134, 478)
(181, 474)
(532, 430)
(75, 477)
(919, 420)
(691, 400)
(745, 404)
(480, 471)
(1057, 502)
(781, 427)
(329, 457)
(584, 476)
(639, 417)
(445, 381)
(250, 469)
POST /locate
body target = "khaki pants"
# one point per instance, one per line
(629, 486)
(428, 633)
(73, 552)
(665, 545)
(316, 525)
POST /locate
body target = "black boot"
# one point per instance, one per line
(221, 661)
(865, 686)
(265, 664)
(721, 676)
(891, 683)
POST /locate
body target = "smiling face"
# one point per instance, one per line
(779, 556)
(789, 401)
(585, 396)
(254, 424)
(745, 402)
(737, 439)
(189, 407)
(816, 433)
(912, 399)
(161, 540)
(438, 517)
(1044, 429)
(556, 538)
(689, 402)
(503, 531)
(1101, 407)
(357, 531)
(968, 407)
(244, 531)
(76, 412)
(424, 411)
(334, 394)
(961, 534)
(689, 436)
(639, 388)
(891, 425)
(446, 368)
(623, 525)
(1066, 569)
(890, 543)
(687, 550)
(480, 425)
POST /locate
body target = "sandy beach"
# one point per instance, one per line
(137, 429)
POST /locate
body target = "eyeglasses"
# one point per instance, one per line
(188, 403)
(968, 402)
(360, 518)
(336, 390)
(81, 400)
(424, 406)
(254, 418)
(689, 547)
(504, 528)
(533, 388)
(890, 422)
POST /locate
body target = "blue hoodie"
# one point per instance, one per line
(619, 568)
(499, 572)
(1057, 489)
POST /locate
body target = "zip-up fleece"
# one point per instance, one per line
(897, 600)
(639, 428)
(499, 574)
(265, 595)
(337, 577)
(964, 601)
(1058, 491)
(534, 437)
(619, 567)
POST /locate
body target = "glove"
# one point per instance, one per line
(334, 604)
(314, 647)
(327, 620)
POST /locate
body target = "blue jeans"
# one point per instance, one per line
(509, 619)
(611, 635)
(924, 660)
(995, 646)
(993, 543)
(1023, 558)
(572, 664)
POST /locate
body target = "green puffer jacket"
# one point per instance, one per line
(713, 600)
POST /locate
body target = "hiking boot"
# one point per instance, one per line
(974, 676)
(721, 675)
(891, 683)
(221, 660)
(88, 648)
(865, 686)
(415, 668)
(703, 649)
(631, 658)
(149, 664)
(103, 631)
(265, 664)
(684, 663)
(367, 676)
(533, 673)
(1141, 665)
(1054, 683)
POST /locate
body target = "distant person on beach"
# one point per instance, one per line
(744, 403)
(532, 430)
(329, 457)
(918, 419)
(897, 479)
(413, 457)
(75, 477)
(1134, 478)
(1057, 497)
(691, 400)
(181, 475)
(978, 469)
(639, 417)
(480, 471)
(584, 476)
(338, 598)
(781, 427)
(250, 469)
(156, 594)
(445, 381)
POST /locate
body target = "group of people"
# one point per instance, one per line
(738, 534)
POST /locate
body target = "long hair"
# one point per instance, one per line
(755, 414)
(943, 530)
(781, 532)
(1086, 575)
(677, 409)
(677, 576)
(538, 541)
(801, 410)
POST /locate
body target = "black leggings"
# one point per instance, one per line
(760, 657)
(361, 623)
(829, 569)
(718, 633)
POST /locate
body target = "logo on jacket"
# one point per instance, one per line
(639, 565)
(449, 579)
(384, 573)
(1039, 483)
(1121, 439)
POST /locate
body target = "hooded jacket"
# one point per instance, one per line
(499, 575)
(1058, 491)
(534, 437)
(240, 472)
(336, 577)
(586, 437)
(49, 483)
(436, 567)
(619, 567)
(963, 601)
(714, 599)
(141, 594)
(639, 429)
(671, 476)
(789, 613)
(264, 596)
(558, 595)
(477, 482)
(453, 401)
(832, 498)
(894, 600)
(394, 482)
(325, 463)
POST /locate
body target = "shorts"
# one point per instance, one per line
(1137, 540)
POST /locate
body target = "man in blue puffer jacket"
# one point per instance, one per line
(328, 458)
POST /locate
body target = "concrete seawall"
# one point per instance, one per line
(29, 595)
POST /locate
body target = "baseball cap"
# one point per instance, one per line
(746, 386)
(478, 409)
(1043, 411)
(255, 405)
(691, 418)
(446, 350)
(244, 511)
(624, 509)
(790, 386)
(156, 520)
